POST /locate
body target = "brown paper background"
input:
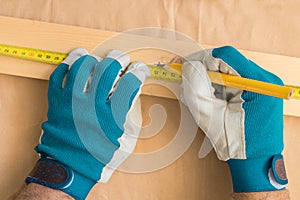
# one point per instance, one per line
(266, 26)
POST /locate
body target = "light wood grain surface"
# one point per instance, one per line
(63, 38)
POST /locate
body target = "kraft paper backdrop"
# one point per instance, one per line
(265, 26)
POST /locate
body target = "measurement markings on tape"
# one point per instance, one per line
(56, 58)
(33, 54)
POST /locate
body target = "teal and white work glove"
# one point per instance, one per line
(245, 128)
(89, 132)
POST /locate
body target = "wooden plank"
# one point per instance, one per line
(63, 38)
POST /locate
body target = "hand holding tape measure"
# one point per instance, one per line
(157, 72)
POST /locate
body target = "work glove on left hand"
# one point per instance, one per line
(90, 133)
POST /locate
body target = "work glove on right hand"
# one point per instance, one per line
(245, 128)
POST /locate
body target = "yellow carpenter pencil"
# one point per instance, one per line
(284, 92)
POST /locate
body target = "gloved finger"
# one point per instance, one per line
(127, 90)
(106, 73)
(195, 80)
(79, 73)
(138, 70)
(203, 56)
(58, 75)
(200, 96)
(74, 55)
(199, 63)
(243, 66)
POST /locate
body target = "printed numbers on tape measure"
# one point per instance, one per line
(157, 72)
(33, 54)
(161, 73)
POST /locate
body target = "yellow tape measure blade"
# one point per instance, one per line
(163, 74)
(33, 54)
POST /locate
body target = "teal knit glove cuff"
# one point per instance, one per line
(256, 175)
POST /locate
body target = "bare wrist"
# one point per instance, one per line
(38, 192)
(271, 195)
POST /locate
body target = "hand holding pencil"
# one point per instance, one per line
(245, 128)
(235, 81)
